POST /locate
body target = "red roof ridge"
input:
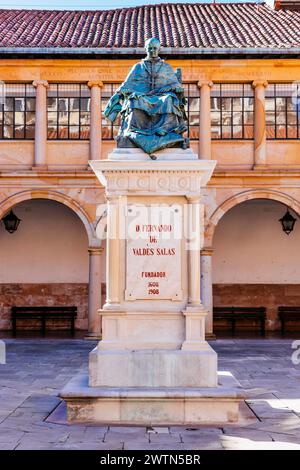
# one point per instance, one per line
(212, 3)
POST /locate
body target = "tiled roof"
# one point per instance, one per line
(242, 25)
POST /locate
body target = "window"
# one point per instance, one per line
(192, 94)
(232, 108)
(282, 111)
(109, 129)
(68, 109)
(17, 111)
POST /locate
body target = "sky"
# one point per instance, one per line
(92, 4)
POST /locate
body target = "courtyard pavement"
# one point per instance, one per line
(37, 369)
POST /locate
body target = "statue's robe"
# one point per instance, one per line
(151, 104)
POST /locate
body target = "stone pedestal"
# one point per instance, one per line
(153, 364)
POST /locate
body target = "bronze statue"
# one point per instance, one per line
(151, 102)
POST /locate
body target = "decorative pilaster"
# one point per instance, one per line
(113, 254)
(194, 211)
(206, 288)
(95, 120)
(205, 120)
(259, 122)
(194, 313)
(40, 139)
(94, 300)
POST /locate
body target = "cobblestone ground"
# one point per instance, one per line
(36, 371)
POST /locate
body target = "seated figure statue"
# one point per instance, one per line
(151, 103)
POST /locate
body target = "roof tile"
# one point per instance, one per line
(195, 25)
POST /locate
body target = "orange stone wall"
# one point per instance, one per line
(65, 177)
(43, 294)
(257, 295)
(65, 294)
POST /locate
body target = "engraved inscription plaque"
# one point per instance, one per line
(153, 252)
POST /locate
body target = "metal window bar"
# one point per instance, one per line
(231, 117)
(284, 91)
(79, 111)
(61, 90)
(286, 118)
(68, 113)
(188, 108)
(243, 111)
(14, 91)
(297, 109)
(14, 118)
(226, 90)
(276, 115)
(192, 92)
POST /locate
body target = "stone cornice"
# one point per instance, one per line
(147, 177)
(270, 173)
(15, 174)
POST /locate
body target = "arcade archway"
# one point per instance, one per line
(46, 261)
(254, 262)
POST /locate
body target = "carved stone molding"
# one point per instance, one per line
(37, 83)
(171, 174)
(96, 83)
(258, 83)
(161, 182)
(202, 83)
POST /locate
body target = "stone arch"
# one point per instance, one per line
(26, 195)
(101, 224)
(242, 197)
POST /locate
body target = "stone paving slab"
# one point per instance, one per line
(37, 370)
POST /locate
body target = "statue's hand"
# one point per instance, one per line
(136, 94)
(164, 89)
(113, 115)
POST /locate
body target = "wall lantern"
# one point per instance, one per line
(11, 222)
(287, 222)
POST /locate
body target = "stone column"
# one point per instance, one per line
(40, 139)
(112, 255)
(259, 123)
(194, 313)
(205, 120)
(206, 289)
(94, 301)
(95, 120)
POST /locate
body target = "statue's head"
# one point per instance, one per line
(152, 47)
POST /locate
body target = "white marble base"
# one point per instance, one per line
(153, 368)
(159, 406)
(153, 364)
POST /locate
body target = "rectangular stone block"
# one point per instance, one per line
(156, 406)
(153, 368)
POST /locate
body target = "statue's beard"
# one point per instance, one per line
(153, 58)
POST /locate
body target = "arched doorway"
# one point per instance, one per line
(46, 261)
(254, 262)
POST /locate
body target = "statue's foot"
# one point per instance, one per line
(185, 144)
(153, 157)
